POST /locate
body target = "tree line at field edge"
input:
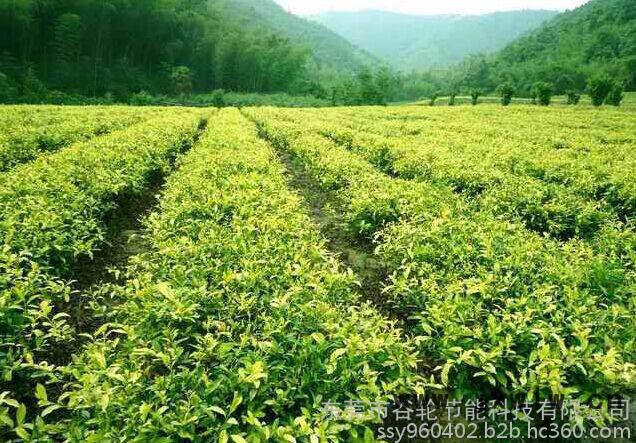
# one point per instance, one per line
(89, 51)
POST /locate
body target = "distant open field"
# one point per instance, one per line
(225, 273)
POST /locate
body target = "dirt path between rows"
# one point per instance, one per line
(323, 210)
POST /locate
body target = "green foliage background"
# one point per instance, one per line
(62, 51)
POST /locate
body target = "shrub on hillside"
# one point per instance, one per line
(506, 91)
(599, 87)
(218, 98)
(474, 95)
(451, 98)
(616, 95)
(142, 98)
(573, 97)
(543, 92)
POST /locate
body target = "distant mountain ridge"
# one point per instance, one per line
(413, 42)
(329, 49)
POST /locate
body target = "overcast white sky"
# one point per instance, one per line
(425, 7)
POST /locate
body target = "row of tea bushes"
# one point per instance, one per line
(585, 154)
(237, 324)
(24, 136)
(544, 207)
(496, 308)
(52, 212)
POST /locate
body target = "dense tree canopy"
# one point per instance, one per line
(599, 37)
(93, 47)
(118, 48)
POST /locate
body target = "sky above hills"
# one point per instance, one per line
(425, 7)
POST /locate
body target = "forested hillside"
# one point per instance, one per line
(143, 52)
(597, 37)
(422, 42)
(118, 47)
(330, 50)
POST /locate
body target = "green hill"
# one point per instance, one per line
(599, 36)
(422, 42)
(329, 49)
(120, 47)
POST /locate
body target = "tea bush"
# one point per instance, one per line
(497, 308)
(52, 212)
(21, 141)
(502, 240)
(237, 324)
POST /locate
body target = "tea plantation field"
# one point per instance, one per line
(180, 274)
